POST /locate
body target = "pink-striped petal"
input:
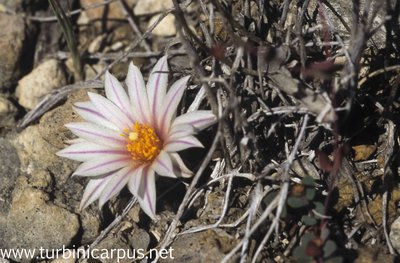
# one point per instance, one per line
(162, 165)
(146, 193)
(182, 144)
(101, 166)
(109, 110)
(179, 131)
(115, 184)
(180, 168)
(138, 95)
(198, 119)
(96, 134)
(85, 151)
(76, 140)
(157, 87)
(134, 180)
(116, 93)
(89, 113)
(172, 100)
(93, 190)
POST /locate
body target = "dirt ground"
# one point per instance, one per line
(300, 166)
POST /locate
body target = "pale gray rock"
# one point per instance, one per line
(39, 82)
(35, 153)
(9, 171)
(118, 239)
(395, 234)
(14, 5)
(166, 28)
(65, 258)
(11, 49)
(208, 246)
(7, 112)
(146, 7)
(33, 222)
(111, 14)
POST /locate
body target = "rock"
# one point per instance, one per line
(96, 44)
(91, 71)
(165, 28)
(116, 245)
(52, 125)
(11, 48)
(41, 81)
(372, 254)
(34, 222)
(91, 224)
(7, 112)
(69, 190)
(40, 179)
(208, 246)
(13, 5)
(66, 257)
(9, 167)
(37, 154)
(100, 14)
(146, 7)
(395, 234)
(141, 239)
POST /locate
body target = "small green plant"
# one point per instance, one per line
(69, 35)
(306, 203)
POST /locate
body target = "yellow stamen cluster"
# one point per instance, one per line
(142, 142)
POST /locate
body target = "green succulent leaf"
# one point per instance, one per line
(329, 248)
(308, 220)
(297, 202)
(308, 181)
(310, 193)
(319, 207)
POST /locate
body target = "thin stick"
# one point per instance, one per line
(284, 189)
(71, 13)
(170, 232)
(133, 24)
(114, 223)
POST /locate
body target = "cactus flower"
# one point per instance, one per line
(130, 137)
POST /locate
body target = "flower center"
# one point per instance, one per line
(142, 142)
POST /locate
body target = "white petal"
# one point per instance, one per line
(116, 93)
(134, 180)
(180, 168)
(96, 134)
(93, 191)
(76, 140)
(172, 100)
(103, 165)
(115, 184)
(162, 165)
(109, 110)
(138, 95)
(182, 144)
(199, 119)
(157, 87)
(84, 151)
(179, 131)
(90, 113)
(147, 192)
